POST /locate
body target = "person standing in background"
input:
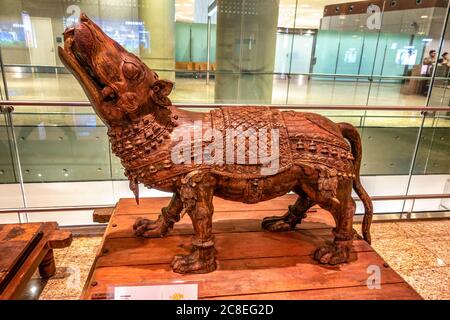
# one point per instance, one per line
(428, 63)
(431, 59)
(445, 59)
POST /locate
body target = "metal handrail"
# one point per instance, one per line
(49, 209)
(49, 103)
(258, 73)
(73, 208)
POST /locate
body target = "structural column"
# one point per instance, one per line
(246, 40)
(158, 17)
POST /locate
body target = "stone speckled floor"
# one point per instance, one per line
(419, 251)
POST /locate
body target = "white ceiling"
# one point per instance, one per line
(309, 12)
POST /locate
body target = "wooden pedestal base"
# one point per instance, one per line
(25, 247)
(252, 263)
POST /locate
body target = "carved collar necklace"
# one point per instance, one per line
(134, 142)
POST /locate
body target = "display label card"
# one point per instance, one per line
(176, 291)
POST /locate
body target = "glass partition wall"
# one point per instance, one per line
(287, 52)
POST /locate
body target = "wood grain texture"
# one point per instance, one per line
(390, 291)
(223, 221)
(15, 246)
(251, 276)
(102, 215)
(252, 263)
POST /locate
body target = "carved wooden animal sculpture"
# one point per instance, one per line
(315, 160)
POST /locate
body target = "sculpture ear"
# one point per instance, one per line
(161, 89)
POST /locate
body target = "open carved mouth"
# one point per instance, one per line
(74, 59)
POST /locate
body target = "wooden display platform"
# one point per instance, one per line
(253, 264)
(25, 247)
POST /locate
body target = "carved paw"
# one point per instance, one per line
(276, 224)
(150, 228)
(333, 254)
(195, 262)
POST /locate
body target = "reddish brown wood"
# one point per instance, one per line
(251, 276)
(47, 267)
(223, 222)
(102, 215)
(252, 263)
(309, 154)
(15, 246)
(395, 291)
(128, 205)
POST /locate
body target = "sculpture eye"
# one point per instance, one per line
(130, 71)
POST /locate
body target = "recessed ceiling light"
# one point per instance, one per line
(424, 17)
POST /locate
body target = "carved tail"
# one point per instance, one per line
(351, 134)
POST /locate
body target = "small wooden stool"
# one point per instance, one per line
(25, 247)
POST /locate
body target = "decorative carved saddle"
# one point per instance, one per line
(147, 158)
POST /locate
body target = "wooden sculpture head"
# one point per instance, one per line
(118, 84)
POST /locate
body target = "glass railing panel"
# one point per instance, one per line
(70, 150)
(64, 158)
(389, 140)
(10, 188)
(388, 150)
(440, 95)
(7, 170)
(431, 170)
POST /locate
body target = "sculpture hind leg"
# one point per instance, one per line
(292, 217)
(197, 193)
(158, 228)
(339, 250)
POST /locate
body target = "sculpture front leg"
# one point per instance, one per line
(197, 195)
(158, 228)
